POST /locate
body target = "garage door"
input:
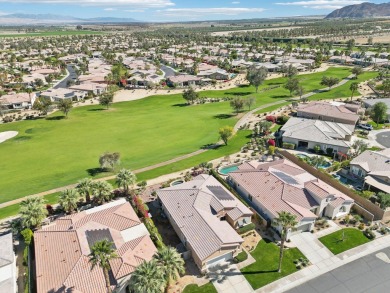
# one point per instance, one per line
(222, 258)
(304, 228)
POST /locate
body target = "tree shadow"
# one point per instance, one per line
(210, 146)
(239, 94)
(55, 118)
(181, 105)
(223, 116)
(259, 272)
(96, 109)
(95, 171)
(280, 96)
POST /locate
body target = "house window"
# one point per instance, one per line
(250, 197)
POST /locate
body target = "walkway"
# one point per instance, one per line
(325, 266)
(311, 247)
(228, 279)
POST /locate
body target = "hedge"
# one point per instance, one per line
(241, 257)
(154, 234)
(246, 228)
(289, 146)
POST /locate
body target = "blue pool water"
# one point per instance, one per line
(228, 169)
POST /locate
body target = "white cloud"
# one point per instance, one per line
(109, 9)
(136, 3)
(135, 10)
(322, 4)
(236, 2)
(195, 12)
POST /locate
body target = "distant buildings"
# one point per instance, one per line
(62, 249)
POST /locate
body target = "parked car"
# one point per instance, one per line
(365, 126)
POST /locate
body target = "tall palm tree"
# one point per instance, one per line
(102, 191)
(353, 88)
(32, 212)
(84, 187)
(284, 222)
(125, 178)
(148, 278)
(68, 200)
(173, 264)
(101, 254)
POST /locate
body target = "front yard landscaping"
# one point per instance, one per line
(193, 288)
(264, 270)
(343, 240)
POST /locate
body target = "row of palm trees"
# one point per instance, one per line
(150, 277)
(33, 210)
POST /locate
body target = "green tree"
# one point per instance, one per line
(384, 199)
(353, 88)
(317, 161)
(292, 85)
(125, 178)
(359, 146)
(148, 278)
(256, 76)
(68, 200)
(329, 81)
(379, 112)
(171, 262)
(101, 254)
(102, 191)
(225, 133)
(190, 95)
(108, 161)
(300, 91)
(32, 212)
(237, 104)
(43, 105)
(64, 105)
(84, 188)
(357, 70)
(249, 102)
(386, 87)
(285, 222)
(106, 99)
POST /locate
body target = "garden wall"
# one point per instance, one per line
(375, 210)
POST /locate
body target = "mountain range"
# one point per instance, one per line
(363, 10)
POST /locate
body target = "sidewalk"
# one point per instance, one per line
(325, 266)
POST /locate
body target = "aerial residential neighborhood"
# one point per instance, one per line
(194, 147)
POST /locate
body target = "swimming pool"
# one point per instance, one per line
(228, 169)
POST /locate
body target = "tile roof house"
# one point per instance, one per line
(18, 100)
(374, 168)
(204, 214)
(62, 249)
(339, 113)
(7, 264)
(283, 186)
(307, 133)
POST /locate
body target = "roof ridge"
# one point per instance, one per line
(74, 267)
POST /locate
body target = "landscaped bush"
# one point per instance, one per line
(369, 233)
(282, 119)
(329, 151)
(361, 226)
(241, 257)
(154, 234)
(289, 146)
(246, 228)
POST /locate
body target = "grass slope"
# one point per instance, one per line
(352, 238)
(264, 270)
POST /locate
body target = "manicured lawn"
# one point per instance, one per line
(352, 238)
(264, 270)
(380, 125)
(208, 288)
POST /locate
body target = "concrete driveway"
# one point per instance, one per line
(311, 247)
(227, 278)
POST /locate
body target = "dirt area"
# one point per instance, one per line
(251, 239)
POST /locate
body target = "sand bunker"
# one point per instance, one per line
(7, 135)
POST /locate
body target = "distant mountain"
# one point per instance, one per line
(364, 10)
(22, 18)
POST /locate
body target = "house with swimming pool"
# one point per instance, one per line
(281, 185)
(205, 216)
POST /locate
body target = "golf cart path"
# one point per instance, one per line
(242, 121)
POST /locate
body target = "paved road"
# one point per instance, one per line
(368, 274)
(384, 138)
(72, 75)
(168, 71)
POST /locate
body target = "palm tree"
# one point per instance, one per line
(102, 191)
(125, 178)
(68, 200)
(285, 223)
(173, 264)
(353, 88)
(148, 278)
(101, 254)
(84, 188)
(32, 212)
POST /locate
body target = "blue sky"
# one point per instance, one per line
(176, 10)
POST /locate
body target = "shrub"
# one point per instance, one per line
(361, 226)
(345, 163)
(25, 256)
(241, 257)
(27, 236)
(271, 118)
(282, 119)
(329, 151)
(369, 233)
(383, 230)
(246, 228)
(317, 149)
(289, 146)
(154, 234)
